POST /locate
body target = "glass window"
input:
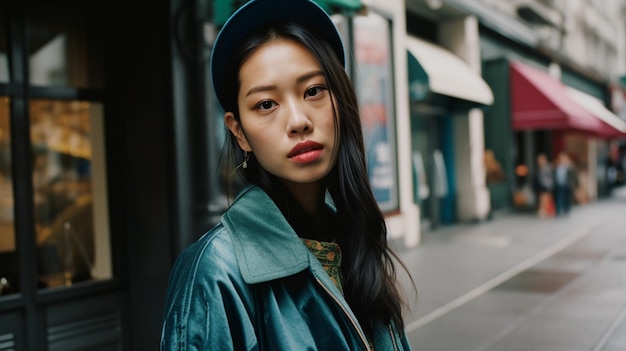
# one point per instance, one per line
(8, 255)
(69, 182)
(60, 50)
(4, 57)
(374, 82)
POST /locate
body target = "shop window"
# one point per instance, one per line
(8, 256)
(61, 53)
(69, 184)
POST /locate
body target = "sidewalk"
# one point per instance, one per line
(454, 266)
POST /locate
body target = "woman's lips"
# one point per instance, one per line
(305, 152)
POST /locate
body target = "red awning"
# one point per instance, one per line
(610, 132)
(540, 101)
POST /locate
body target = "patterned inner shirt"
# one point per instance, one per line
(329, 255)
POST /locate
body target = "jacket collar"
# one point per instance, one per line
(265, 245)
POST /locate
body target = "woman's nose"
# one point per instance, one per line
(298, 121)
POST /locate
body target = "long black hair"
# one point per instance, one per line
(369, 274)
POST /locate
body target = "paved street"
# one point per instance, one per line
(521, 283)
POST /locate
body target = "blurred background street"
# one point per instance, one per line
(522, 283)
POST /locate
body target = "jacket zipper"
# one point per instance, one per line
(393, 337)
(354, 323)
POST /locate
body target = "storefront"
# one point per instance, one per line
(94, 204)
(538, 113)
(60, 276)
(447, 96)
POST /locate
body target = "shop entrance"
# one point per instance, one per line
(430, 170)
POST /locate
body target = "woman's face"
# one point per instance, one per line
(286, 113)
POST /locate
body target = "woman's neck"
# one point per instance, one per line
(309, 196)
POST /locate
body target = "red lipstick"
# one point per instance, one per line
(305, 152)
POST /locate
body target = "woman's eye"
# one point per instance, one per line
(313, 91)
(265, 105)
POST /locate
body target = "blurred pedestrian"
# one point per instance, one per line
(543, 185)
(565, 183)
(493, 169)
(286, 268)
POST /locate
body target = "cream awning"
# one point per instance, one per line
(434, 69)
(613, 126)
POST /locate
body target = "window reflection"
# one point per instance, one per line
(8, 257)
(4, 58)
(71, 218)
(59, 48)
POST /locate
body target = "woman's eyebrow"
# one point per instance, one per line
(299, 80)
(309, 75)
(260, 89)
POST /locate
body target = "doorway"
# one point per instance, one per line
(431, 165)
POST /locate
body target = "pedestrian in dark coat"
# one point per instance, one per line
(565, 183)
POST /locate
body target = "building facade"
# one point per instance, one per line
(528, 45)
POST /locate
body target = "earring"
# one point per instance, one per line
(246, 157)
(243, 164)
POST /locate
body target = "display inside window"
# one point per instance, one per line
(8, 257)
(69, 185)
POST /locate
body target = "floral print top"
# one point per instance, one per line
(329, 255)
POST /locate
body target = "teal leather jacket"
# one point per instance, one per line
(251, 284)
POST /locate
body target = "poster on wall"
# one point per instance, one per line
(374, 84)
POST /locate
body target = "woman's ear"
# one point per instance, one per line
(235, 127)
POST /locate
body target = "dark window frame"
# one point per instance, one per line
(31, 301)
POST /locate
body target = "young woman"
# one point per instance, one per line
(300, 260)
